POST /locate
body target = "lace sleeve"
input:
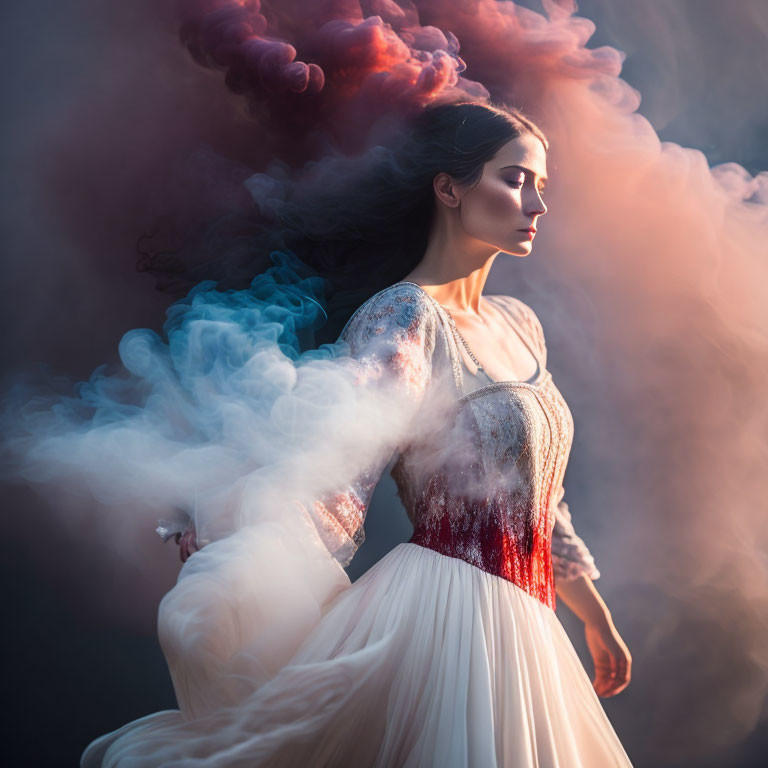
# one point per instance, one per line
(571, 557)
(391, 337)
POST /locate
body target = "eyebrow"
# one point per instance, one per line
(527, 170)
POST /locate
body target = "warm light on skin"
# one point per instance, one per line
(474, 223)
(507, 198)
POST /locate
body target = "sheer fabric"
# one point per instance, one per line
(393, 338)
(447, 652)
(571, 557)
(413, 326)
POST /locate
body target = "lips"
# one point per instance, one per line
(530, 229)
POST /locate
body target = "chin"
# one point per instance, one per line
(518, 250)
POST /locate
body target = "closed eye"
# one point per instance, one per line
(519, 184)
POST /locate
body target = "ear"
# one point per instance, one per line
(446, 190)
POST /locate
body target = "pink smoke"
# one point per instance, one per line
(648, 273)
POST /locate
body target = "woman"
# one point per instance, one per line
(448, 651)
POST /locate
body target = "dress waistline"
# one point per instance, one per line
(498, 555)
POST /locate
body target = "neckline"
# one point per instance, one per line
(535, 386)
(540, 377)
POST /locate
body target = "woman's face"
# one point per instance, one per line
(507, 199)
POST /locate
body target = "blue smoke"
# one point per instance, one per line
(214, 397)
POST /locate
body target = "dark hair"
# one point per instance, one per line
(361, 223)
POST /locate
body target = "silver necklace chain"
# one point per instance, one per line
(457, 333)
(464, 342)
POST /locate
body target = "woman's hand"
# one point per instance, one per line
(187, 542)
(612, 660)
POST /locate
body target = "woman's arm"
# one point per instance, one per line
(575, 570)
(582, 597)
(611, 657)
(391, 339)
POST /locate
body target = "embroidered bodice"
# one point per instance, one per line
(481, 475)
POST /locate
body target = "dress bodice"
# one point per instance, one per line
(493, 505)
(481, 475)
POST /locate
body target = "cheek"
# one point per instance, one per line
(492, 209)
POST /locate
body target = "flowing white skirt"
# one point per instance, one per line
(424, 661)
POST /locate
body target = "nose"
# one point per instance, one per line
(536, 206)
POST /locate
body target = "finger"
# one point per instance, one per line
(602, 669)
(603, 690)
(617, 684)
(623, 671)
(599, 687)
(613, 690)
(609, 673)
(601, 683)
(620, 688)
(602, 687)
(605, 672)
(614, 662)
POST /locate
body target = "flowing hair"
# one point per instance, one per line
(361, 223)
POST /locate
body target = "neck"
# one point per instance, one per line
(454, 270)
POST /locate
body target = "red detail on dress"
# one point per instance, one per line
(499, 540)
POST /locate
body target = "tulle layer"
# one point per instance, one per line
(424, 661)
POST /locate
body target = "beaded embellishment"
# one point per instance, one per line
(496, 502)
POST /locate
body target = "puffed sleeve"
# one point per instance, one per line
(571, 557)
(391, 338)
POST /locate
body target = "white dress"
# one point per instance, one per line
(447, 653)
